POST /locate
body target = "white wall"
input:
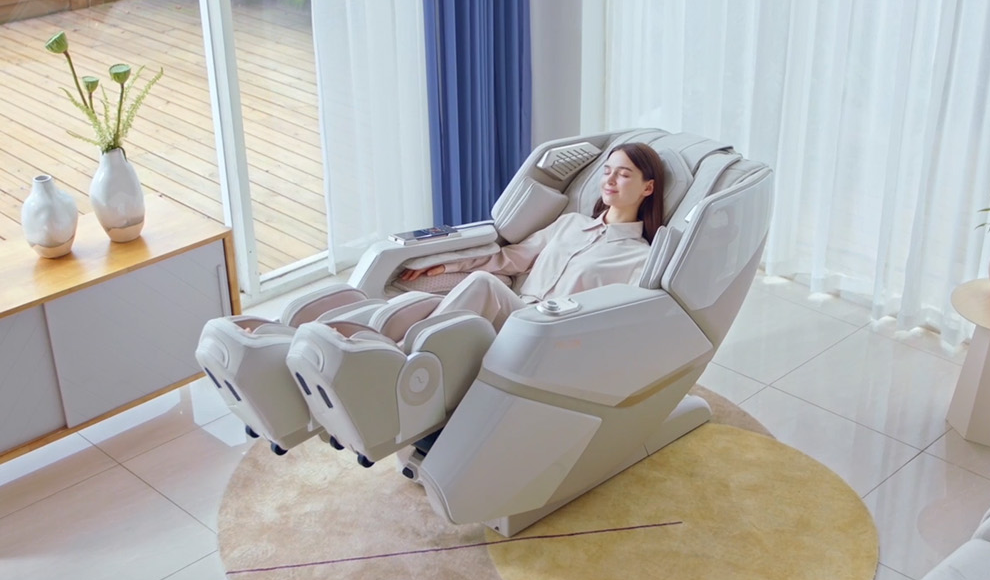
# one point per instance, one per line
(555, 40)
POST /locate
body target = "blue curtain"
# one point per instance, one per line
(479, 89)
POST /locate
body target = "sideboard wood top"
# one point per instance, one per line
(27, 279)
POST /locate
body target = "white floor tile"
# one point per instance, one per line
(882, 384)
(158, 421)
(957, 451)
(825, 303)
(919, 338)
(193, 470)
(885, 573)
(47, 470)
(771, 337)
(209, 568)
(925, 511)
(111, 526)
(860, 397)
(862, 457)
(730, 384)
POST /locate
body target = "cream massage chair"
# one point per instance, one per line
(504, 429)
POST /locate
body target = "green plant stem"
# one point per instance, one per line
(76, 80)
(120, 110)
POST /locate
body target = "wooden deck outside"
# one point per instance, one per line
(172, 141)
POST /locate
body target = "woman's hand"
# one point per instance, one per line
(410, 275)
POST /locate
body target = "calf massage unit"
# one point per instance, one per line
(506, 427)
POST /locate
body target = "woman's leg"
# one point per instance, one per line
(484, 294)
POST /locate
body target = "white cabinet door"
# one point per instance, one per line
(30, 405)
(133, 335)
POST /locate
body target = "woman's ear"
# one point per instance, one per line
(648, 189)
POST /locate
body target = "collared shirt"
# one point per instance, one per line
(574, 253)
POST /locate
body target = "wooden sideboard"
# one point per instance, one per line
(109, 326)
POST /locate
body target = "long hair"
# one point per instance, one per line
(646, 159)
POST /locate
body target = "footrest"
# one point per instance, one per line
(349, 385)
(376, 397)
(244, 356)
(248, 369)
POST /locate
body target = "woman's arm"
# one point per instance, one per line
(509, 260)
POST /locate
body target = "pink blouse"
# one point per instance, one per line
(574, 253)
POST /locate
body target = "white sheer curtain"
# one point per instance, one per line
(873, 114)
(371, 72)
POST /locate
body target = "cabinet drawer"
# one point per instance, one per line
(136, 334)
(30, 404)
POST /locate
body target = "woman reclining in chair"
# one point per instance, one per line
(575, 252)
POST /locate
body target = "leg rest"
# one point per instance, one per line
(249, 370)
(349, 384)
(372, 395)
(244, 356)
(401, 312)
(307, 308)
(360, 312)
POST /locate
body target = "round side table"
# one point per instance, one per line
(969, 412)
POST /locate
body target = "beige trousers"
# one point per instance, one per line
(484, 294)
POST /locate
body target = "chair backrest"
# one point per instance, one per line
(717, 254)
(716, 213)
(540, 191)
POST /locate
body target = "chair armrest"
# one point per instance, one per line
(643, 332)
(380, 261)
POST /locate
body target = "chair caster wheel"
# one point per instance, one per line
(335, 444)
(364, 461)
(408, 473)
(278, 450)
(250, 432)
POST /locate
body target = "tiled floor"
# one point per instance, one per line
(136, 496)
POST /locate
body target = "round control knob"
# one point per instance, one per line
(558, 306)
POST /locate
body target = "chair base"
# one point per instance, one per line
(690, 414)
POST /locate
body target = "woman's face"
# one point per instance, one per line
(623, 186)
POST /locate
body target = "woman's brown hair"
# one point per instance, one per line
(646, 159)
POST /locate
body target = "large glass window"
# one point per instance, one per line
(171, 143)
(254, 84)
(276, 71)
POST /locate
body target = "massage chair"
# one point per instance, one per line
(504, 428)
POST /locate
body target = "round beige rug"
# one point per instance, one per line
(724, 501)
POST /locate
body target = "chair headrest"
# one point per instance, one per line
(681, 153)
(677, 178)
(538, 195)
(583, 192)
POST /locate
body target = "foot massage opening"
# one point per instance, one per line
(575, 252)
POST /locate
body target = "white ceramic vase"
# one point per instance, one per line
(117, 197)
(49, 218)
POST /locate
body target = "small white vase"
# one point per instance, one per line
(49, 218)
(117, 197)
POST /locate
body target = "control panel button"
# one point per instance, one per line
(557, 306)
